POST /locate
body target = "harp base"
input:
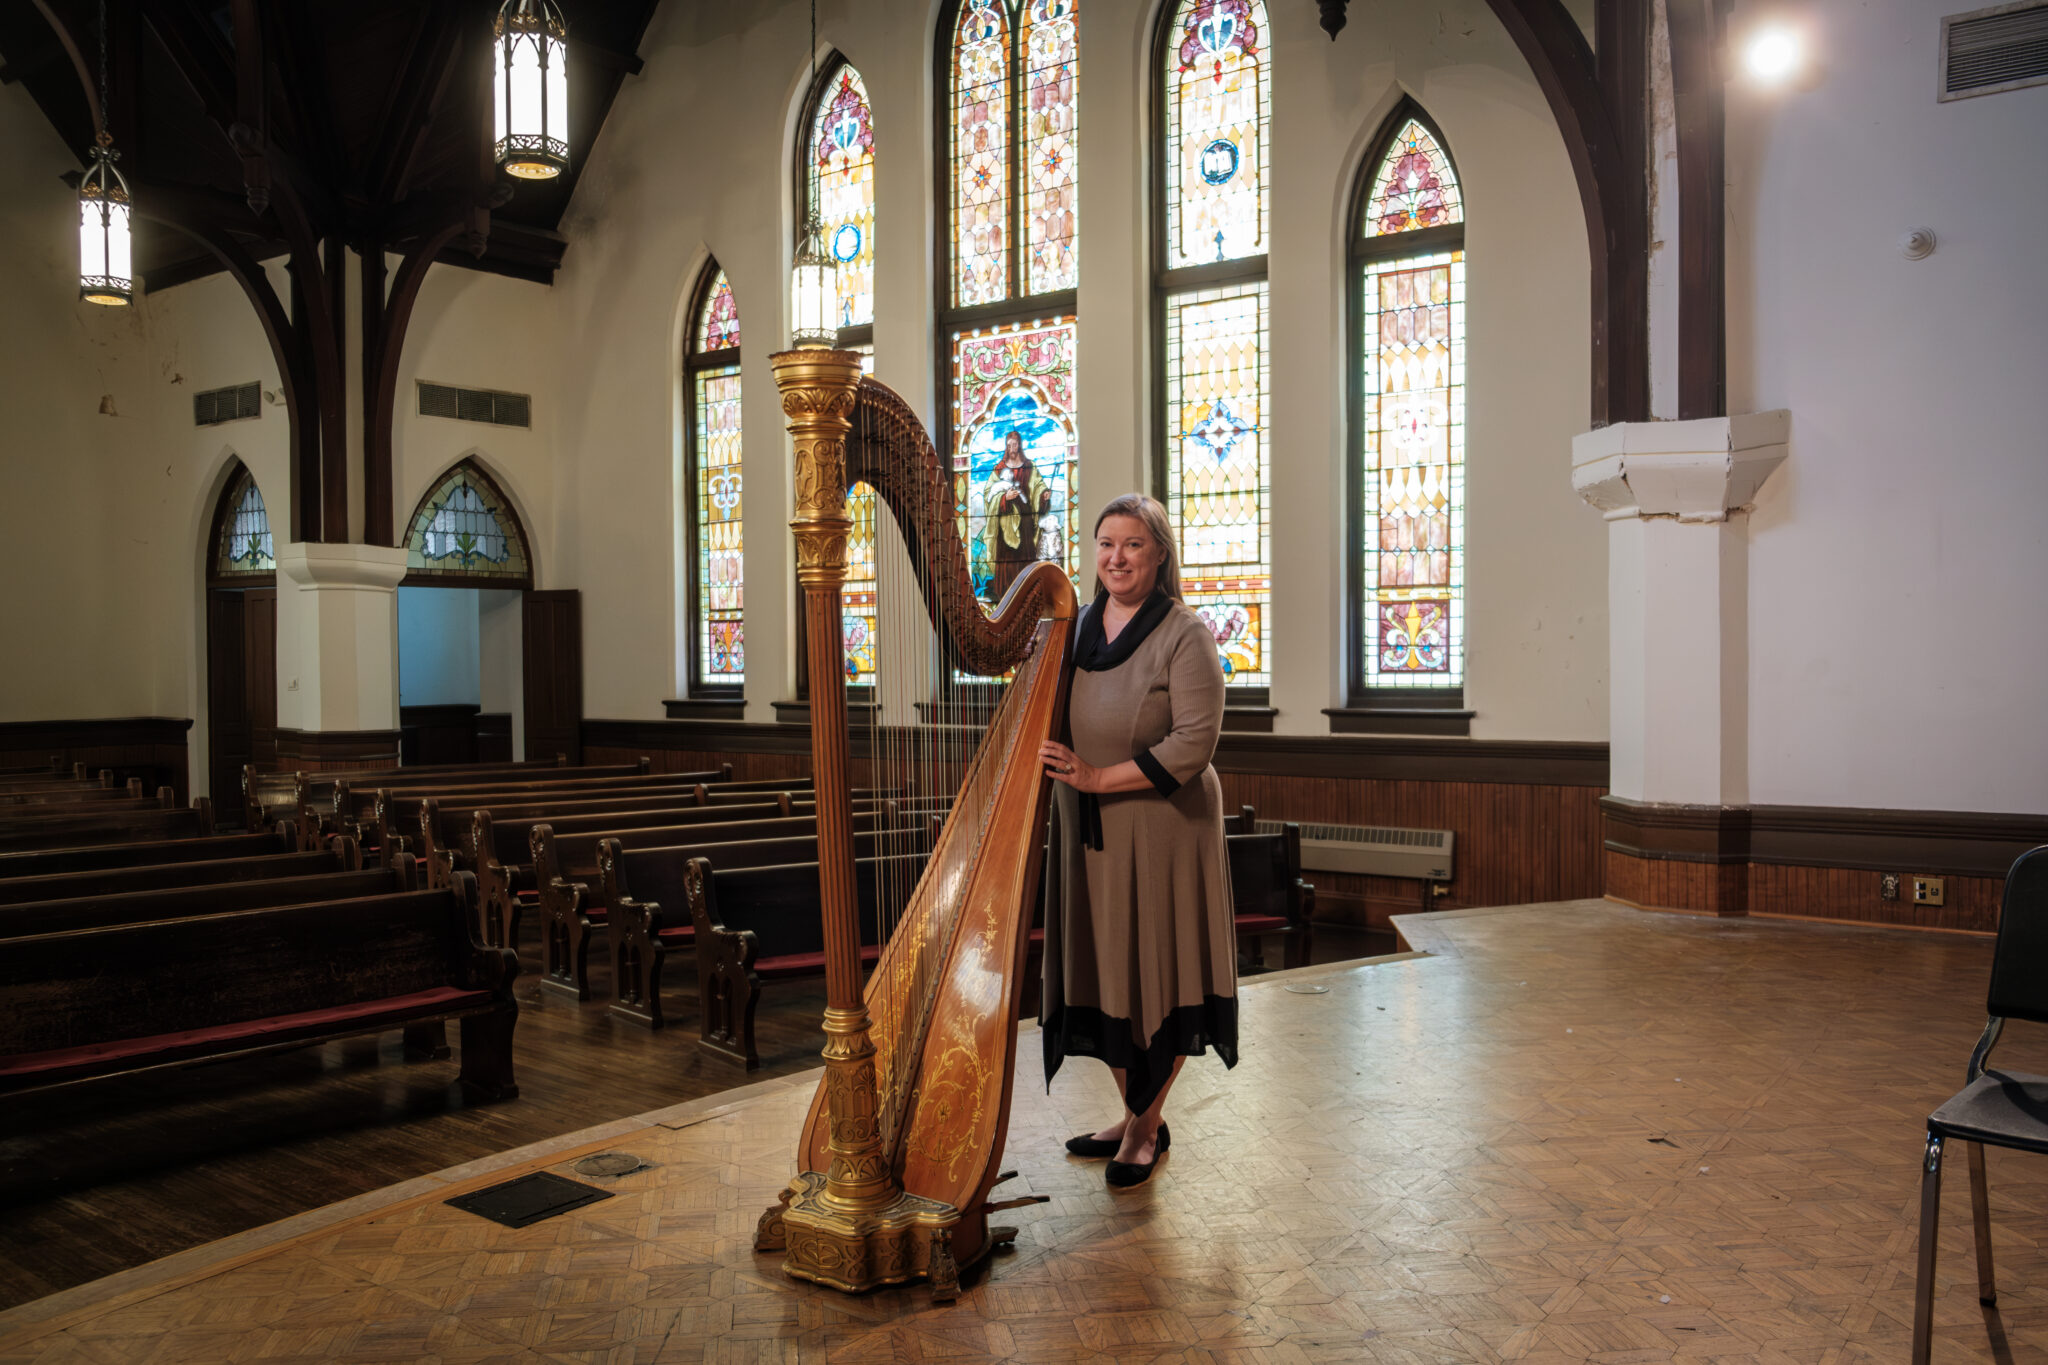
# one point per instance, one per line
(908, 1238)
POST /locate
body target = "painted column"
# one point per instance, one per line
(337, 651)
(1676, 496)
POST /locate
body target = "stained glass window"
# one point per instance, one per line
(1412, 363)
(981, 153)
(1052, 149)
(1016, 69)
(464, 529)
(718, 592)
(1016, 450)
(860, 599)
(1218, 105)
(842, 187)
(1218, 468)
(245, 547)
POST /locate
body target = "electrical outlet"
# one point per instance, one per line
(1927, 891)
(1888, 887)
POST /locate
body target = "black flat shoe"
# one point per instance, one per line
(1124, 1175)
(1093, 1148)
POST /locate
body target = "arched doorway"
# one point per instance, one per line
(477, 676)
(241, 642)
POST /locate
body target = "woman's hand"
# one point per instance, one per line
(1064, 765)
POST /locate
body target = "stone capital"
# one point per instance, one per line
(315, 564)
(1695, 471)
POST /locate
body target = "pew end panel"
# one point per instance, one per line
(567, 923)
(727, 988)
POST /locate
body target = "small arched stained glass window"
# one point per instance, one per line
(1219, 102)
(1414, 187)
(717, 513)
(841, 177)
(1411, 295)
(245, 548)
(464, 529)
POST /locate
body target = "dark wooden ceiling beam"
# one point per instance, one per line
(1697, 90)
(292, 49)
(430, 71)
(198, 53)
(69, 43)
(1582, 94)
(250, 131)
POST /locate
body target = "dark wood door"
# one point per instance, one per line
(259, 649)
(553, 663)
(227, 702)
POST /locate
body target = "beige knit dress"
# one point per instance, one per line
(1140, 953)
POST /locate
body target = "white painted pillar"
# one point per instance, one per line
(337, 665)
(1676, 496)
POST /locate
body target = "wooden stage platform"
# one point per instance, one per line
(1568, 1132)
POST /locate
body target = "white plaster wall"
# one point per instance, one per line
(651, 206)
(1897, 644)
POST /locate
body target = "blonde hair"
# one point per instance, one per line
(1149, 512)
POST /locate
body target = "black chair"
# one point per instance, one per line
(1996, 1108)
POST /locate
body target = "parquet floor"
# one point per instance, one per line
(1574, 1132)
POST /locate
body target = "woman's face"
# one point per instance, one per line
(1127, 559)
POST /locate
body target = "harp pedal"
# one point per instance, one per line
(1022, 1201)
(1006, 1175)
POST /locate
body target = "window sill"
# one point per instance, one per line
(705, 708)
(1398, 720)
(797, 711)
(1257, 720)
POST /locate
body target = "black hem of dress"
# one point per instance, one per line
(1187, 1031)
(1163, 782)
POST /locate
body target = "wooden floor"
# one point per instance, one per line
(1574, 1132)
(123, 1173)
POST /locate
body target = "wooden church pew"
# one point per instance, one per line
(342, 856)
(566, 865)
(762, 924)
(87, 1004)
(270, 794)
(181, 902)
(142, 853)
(60, 831)
(638, 883)
(437, 828)
(76, 793)
(358, 812)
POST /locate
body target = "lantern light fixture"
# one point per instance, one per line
(106, 271)
(530, 96)
(814, 291)
(814, 283)
(106, 261)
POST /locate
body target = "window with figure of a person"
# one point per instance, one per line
(1408, 248)
(1216, 468)
(1010, 174)
(717, 522)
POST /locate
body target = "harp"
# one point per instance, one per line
(901, 1146)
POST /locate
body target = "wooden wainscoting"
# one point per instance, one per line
(1526, 814)
(313, 751)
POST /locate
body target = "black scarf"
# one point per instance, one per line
(1092, 654)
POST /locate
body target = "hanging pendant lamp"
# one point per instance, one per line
(531, 91)
(106, 268)
(814, 282)
(106, 272)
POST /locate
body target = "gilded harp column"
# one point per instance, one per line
(818, 389)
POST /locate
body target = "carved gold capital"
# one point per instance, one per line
(818, 391)
(821, 550)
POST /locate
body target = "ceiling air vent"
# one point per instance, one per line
(476, 405)
(230, 404)
(1989, 50)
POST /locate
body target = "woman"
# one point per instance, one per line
(1140, 953)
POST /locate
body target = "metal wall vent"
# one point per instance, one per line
(476, 405)
(230, 404)
(1989, 50)
(1372, 851)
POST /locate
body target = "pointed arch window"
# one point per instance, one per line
(1008, 156)
(242, 545)
(1408, 570)
(717, 580)
(1210, 306)
(837, 166)
(465, 534)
